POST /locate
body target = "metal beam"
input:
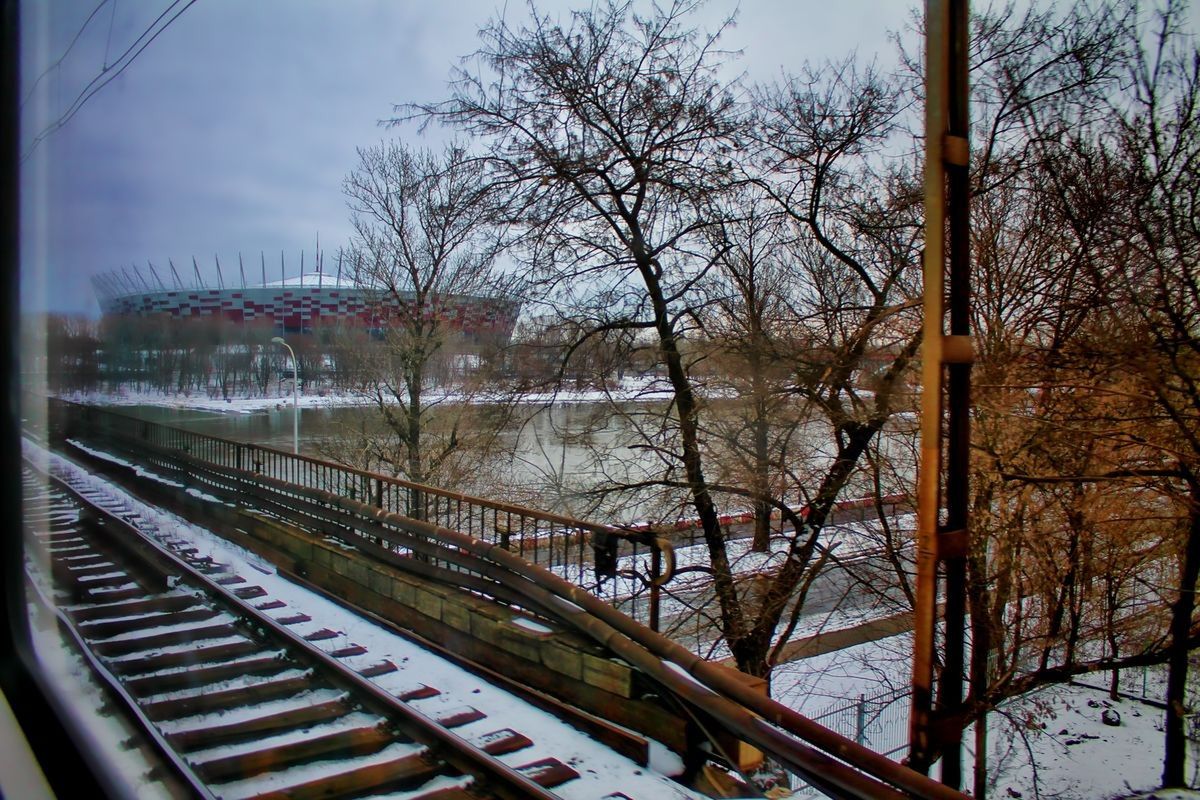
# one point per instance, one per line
(945, 403)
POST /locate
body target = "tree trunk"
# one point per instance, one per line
(761, 480)
(416, 501)
(732, 615)
(1177, 661)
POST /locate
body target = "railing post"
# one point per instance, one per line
(655, 588)
(505, 533)
(860, 723)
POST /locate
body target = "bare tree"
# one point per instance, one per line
(1140, 209)
(756, 337)
(424, 238)
(619, 142)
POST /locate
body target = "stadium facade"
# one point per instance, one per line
(299, 305)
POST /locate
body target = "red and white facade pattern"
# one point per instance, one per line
(302, 308)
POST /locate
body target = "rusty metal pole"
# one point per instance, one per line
(929, 469)
(945, 545)
(954, 539)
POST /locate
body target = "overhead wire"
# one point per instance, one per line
(108, 74)
(112, 18)
(65, 53)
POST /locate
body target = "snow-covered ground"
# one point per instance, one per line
(1050, 744)
(629, 390)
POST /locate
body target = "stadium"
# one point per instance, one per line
(299, 304)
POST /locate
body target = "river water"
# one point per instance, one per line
(547, 456)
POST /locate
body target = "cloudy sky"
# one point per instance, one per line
(232, 130)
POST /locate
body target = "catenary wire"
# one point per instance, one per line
(109, 74)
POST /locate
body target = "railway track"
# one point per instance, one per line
(233, 698)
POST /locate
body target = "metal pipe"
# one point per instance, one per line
(929, 469)
(946, 362)
(958, 396)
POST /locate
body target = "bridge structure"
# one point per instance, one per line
(515, 592)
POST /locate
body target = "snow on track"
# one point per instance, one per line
(601, 770)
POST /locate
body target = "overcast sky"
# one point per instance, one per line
(233, 129)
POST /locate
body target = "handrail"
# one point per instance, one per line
(583, 552)
(626, 532)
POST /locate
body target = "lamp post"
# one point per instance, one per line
(295, 394)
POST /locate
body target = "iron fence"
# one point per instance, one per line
(878, 721)
(595, 557)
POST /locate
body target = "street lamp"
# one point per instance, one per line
(295, 395)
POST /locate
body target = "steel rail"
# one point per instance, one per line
(458, 752)
(113, 687)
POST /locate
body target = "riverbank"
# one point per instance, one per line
(629, 391)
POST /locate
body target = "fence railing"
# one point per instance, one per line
(589, 555)
(878, 721)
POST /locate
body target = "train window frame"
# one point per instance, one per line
(39, 709)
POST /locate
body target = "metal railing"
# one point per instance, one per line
(832, 763)
(585, 553)
(879, 721)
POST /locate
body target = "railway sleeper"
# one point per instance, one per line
(106, 628)
(111, 594)
(411, 766)
(153, 641)
(113, 577)
(356, 741)
(457, 717)
(548, 772)
(128, 608)
(176, 707)
(88, 565)
(148, 685)
(62, 537)
(154, 662)
(409, 771)
(76, 545)
(255, 727)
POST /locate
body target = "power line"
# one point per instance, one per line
(108, 74)
(66, 52)
(112, 18)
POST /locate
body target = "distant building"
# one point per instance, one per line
(300, 305)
